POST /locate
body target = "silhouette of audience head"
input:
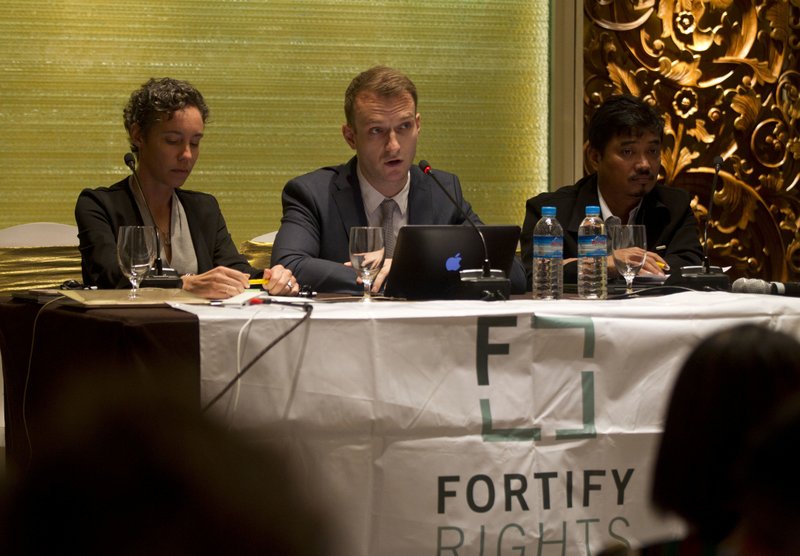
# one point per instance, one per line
(725, 391)
(769, 507)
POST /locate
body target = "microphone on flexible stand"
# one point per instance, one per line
(706, 261)
(704, 277)
(484, 283)
(161, 277)
(130, 162)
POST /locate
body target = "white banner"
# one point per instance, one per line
(471, 428)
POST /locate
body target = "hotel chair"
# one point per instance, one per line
(259, 250)
(38, 255)
(33, 256)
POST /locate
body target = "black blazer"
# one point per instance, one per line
(100, 212)
(319, 209)
(665, 212)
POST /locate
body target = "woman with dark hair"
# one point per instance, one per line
(726, 389)
(725, 392)
(769, 507)
(165, 120)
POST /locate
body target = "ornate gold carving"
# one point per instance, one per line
(725, 74)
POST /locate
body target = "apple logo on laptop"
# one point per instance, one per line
(454, 262)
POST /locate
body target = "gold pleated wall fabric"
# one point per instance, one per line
(274, 75)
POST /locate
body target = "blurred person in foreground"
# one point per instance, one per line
(724, 395)
(130, 469)
(382, 126)
(165, 120)
(624, 151)
(770, 507)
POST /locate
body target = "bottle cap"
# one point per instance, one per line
(548, 211)
(592, 210)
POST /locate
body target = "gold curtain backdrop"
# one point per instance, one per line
(727, 75)
(274, 75)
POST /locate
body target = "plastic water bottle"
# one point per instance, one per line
(548, 256)
(592, 253)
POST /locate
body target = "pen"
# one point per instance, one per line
(662, 266)
(259, 282)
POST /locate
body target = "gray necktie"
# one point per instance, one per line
(387, 217)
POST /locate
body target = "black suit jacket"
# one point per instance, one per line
(665, 212)
(319, 209)
(100, 212)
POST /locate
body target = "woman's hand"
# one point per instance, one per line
(218, 283)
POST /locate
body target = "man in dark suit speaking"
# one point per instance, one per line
(380, 182)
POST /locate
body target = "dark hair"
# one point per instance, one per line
(157, 100)
(381, 80)
(770, 512)
(725, 389)
(622, 115)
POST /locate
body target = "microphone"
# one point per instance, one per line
(705, 277)
(487, 282)
(160, 279)
(717, 166)
(754, 285)
(130, 162)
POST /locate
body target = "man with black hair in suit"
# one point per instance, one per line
(625, 136)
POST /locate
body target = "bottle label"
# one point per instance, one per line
(592, 246)
(548, 247)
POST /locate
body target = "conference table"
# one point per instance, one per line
(440, 427)
(45, 347)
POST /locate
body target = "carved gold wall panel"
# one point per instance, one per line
(725, 74)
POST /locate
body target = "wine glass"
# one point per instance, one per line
(629, 248)
(136, 251)
(366, 255)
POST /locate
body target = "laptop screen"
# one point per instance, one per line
(427, 259)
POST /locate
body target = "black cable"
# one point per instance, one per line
(28, 379)
(307, 307)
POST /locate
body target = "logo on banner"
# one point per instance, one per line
(536, 502)
(485, 349)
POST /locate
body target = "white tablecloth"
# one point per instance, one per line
(460, 427)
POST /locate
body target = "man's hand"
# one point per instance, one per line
(377, 284)
(280, 281)
(653, 264)
(380, 278)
